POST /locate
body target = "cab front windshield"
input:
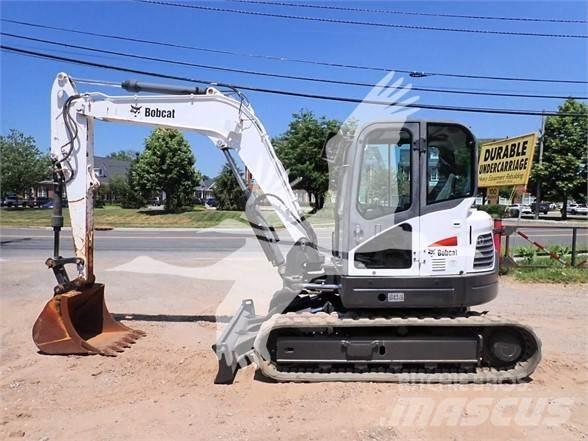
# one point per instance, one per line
(450, 163)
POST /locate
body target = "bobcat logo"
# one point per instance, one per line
(136, 110)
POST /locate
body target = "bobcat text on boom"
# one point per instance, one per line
(160, 113)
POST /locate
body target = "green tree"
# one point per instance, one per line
(102, 195)
(227, 191)
(119, 187)
(130, 197)
(116, 189)
(22, 165)
(124, 155)
(565, 156)
(167, 164)
(299, 149)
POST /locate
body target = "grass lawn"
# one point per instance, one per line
(114, 216)
(551, 275)
(554, 273)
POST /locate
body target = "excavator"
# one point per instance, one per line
(390, 301)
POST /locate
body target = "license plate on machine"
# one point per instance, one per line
(396, 297)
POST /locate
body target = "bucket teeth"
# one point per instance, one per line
(129, 340)
(122, 345)
(134, 335)
(108, 353)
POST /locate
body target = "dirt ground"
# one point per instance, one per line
(162, 388)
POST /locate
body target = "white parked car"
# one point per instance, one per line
(515, 209)
(577, 209)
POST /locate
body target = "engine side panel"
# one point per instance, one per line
(419, 292)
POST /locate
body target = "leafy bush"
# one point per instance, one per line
(132, 199)
(559, 250)
(528, 254)
(517, 251)
(494, 210)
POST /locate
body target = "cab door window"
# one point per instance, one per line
(385, 176)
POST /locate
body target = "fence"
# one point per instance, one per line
(505, 233)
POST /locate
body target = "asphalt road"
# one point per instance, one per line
(554, 215)
(30, 242)
(12, 239)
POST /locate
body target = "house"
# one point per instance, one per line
(105, 169)
(43, 189)
(205, 189)
(108, 168)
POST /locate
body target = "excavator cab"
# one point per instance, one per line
(404, 219)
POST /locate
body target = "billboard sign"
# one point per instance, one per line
(506, 162)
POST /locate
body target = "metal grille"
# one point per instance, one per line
(438, 264)
(484, 257)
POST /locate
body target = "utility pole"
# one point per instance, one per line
(538, 196)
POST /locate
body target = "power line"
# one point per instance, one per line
(360, 23)
(42, 55)
(295, 60)
(276, 75)
(421, 14)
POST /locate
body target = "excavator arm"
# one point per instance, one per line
(76, 319)
(229, 123)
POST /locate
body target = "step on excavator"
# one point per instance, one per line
(390, 301)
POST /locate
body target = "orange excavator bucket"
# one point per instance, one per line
(78, 322)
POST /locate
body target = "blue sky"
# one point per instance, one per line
(26, 82)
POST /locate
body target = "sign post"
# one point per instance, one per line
(541, 137)
(492, 194)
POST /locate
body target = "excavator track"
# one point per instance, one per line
(317, 324)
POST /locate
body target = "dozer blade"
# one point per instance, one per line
(78, 322)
